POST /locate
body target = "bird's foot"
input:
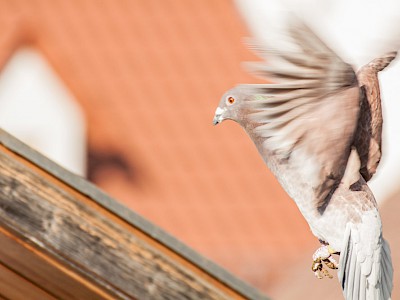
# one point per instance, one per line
(322, 256)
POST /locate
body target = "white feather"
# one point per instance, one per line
(365, 266)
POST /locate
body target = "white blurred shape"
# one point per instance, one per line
(358, 31)
(37, 108)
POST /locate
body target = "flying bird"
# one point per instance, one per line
(318, 127)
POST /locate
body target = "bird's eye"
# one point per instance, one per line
(230, 100)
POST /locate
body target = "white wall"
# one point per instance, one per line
(36, 107)
(358, 30)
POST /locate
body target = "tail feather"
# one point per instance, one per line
(387, 270)
(365, 274)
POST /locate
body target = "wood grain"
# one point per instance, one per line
(77, 251)
(14, 286)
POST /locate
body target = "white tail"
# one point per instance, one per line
(365, 266)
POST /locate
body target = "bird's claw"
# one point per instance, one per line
(331, 263)
(316, 268)
(319, 270)
(322, 256)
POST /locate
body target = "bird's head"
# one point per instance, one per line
(231, 106)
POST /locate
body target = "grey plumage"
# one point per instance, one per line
(318, 128)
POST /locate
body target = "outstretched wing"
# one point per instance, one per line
(309, 116)
(368, 138)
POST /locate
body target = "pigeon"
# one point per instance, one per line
(317, 124)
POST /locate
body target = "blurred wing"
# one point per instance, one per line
(309, 116)
(368, 138)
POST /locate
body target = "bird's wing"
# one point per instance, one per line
(309, 116)
(368, 136)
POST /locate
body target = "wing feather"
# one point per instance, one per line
(368, 138)
(311, 110)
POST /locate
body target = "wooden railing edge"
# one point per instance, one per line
(91, 191)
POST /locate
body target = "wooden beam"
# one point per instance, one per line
(69, 239)
(14, 286)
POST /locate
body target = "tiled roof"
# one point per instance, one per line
(148, 75)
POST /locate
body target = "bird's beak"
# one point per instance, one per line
(218, 116)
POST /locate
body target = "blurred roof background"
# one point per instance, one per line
(148, 76)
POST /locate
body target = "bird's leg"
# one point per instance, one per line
(323, 255)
